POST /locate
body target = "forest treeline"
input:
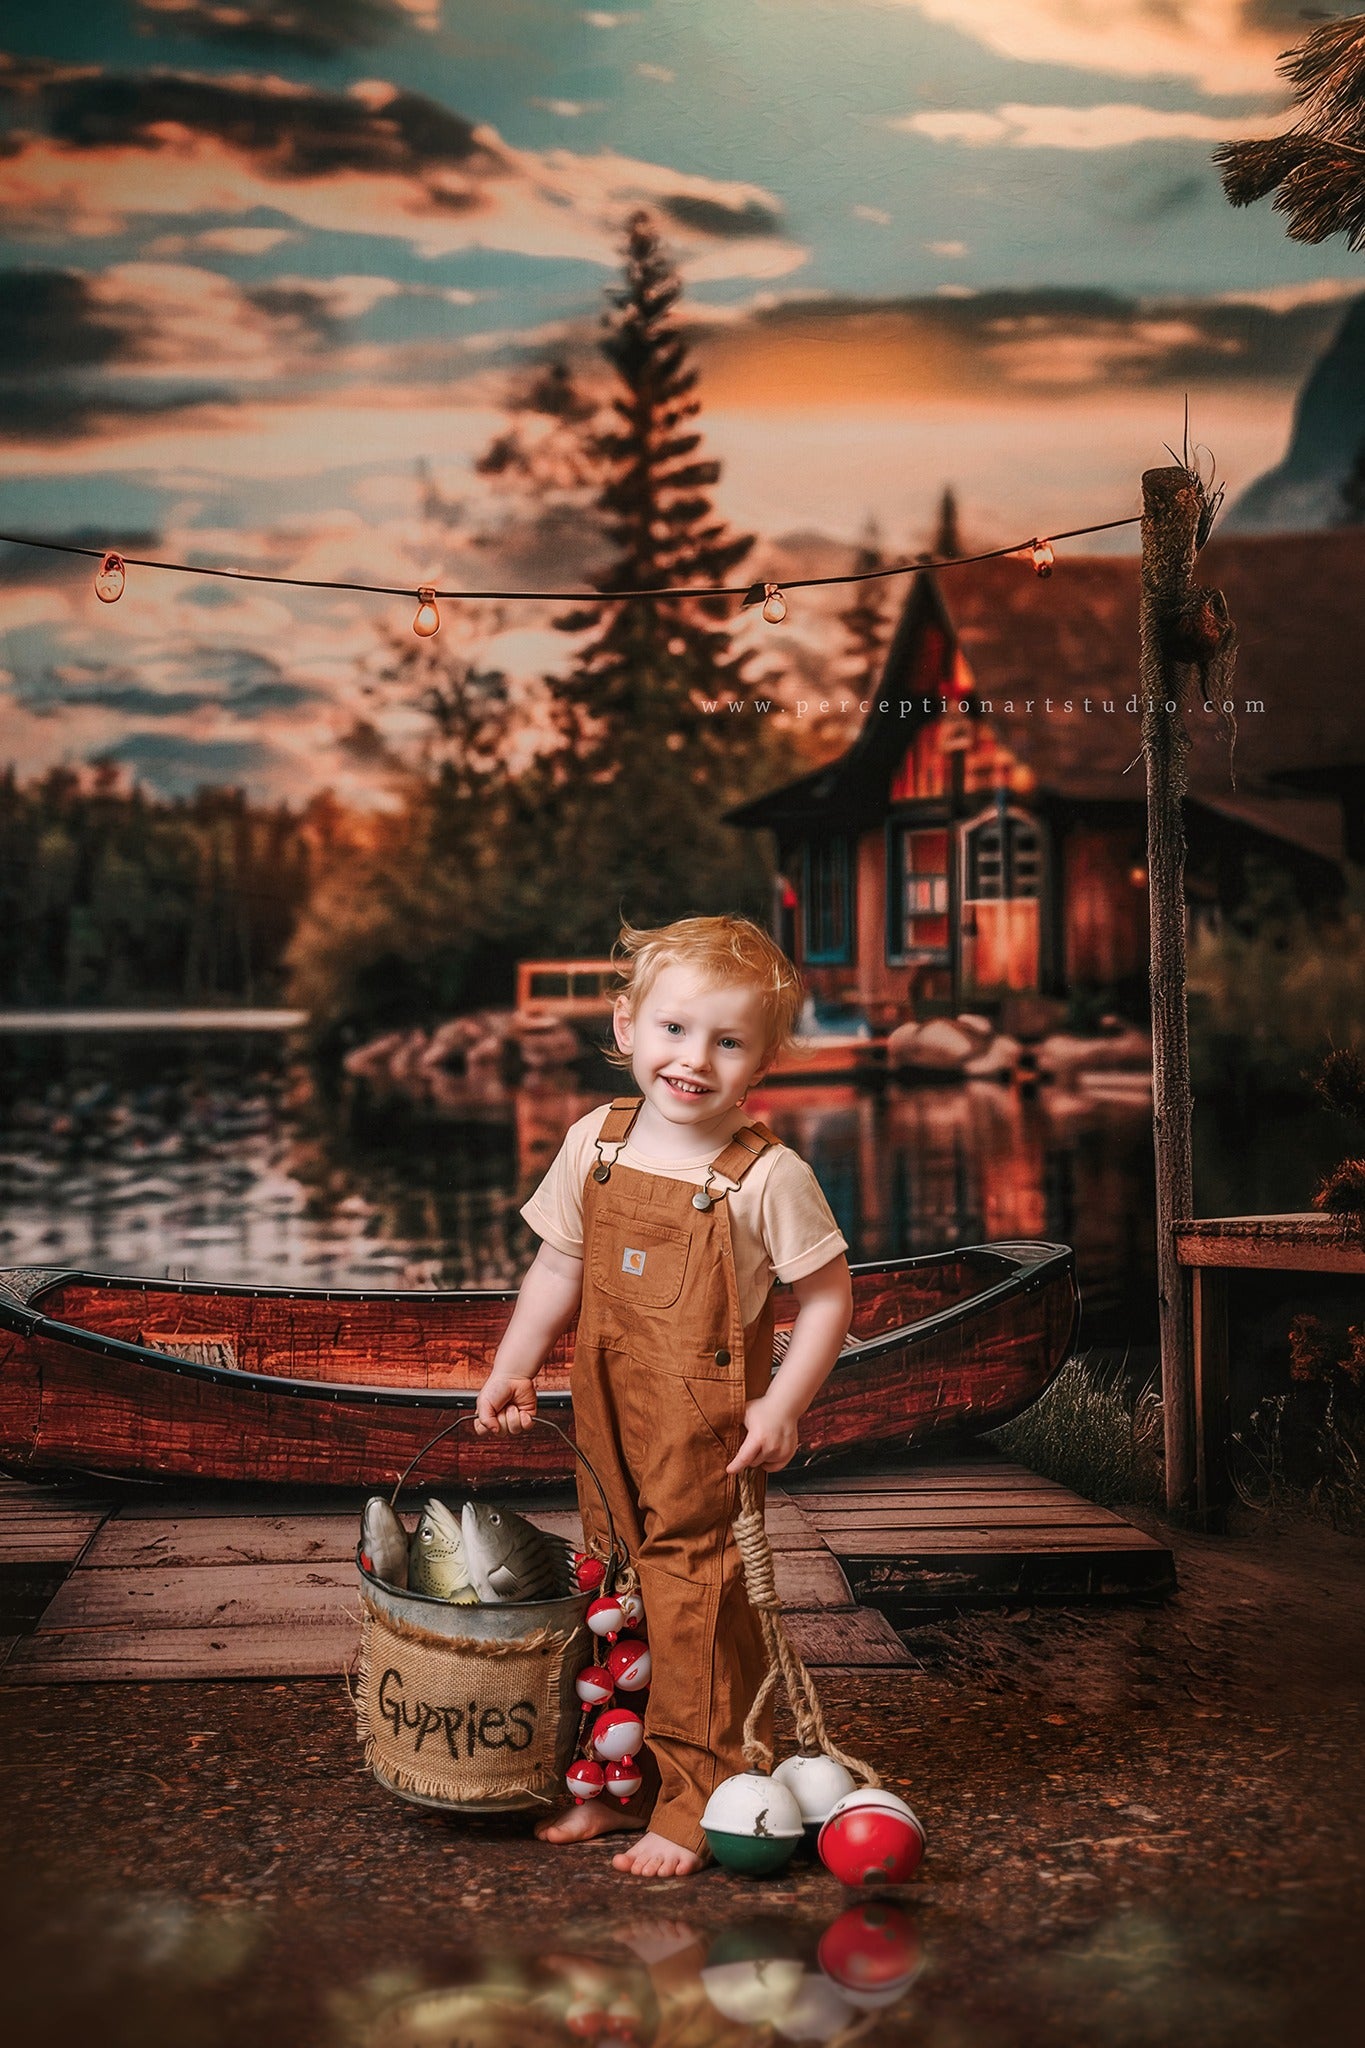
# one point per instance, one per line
(109, 897)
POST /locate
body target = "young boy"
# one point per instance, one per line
(665, 1220)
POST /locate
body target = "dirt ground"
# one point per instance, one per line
(1144, 1826)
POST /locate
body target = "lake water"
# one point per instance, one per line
(226, 1159)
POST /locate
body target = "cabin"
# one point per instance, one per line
(981, 844)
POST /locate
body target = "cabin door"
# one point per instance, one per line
(1002, 871)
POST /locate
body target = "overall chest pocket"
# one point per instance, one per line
(639, 1265)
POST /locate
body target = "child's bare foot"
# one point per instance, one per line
(582, 1823)
(655, 1856)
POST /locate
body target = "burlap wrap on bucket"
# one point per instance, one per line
(468, 1720)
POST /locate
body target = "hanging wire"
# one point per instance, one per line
(751, 593)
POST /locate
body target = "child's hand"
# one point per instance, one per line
(771, 1437)
(508, 1404)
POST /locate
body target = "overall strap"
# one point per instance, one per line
(617, 1125)
(744, 1150)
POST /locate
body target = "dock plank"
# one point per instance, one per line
(326, 1648)
(281, 1596)
(852, 1638)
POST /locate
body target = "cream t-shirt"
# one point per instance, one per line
(781, 1225)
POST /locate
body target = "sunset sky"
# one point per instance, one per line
(262, 261)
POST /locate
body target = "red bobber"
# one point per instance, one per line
(605, 1617)
(617, 1734)
(588, 1571)
(594, 1685)
(629, 1664)
(623, 1778)
(585, 1780)
(871, 1837)
(632, 1610)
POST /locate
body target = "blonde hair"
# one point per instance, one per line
(723, 951)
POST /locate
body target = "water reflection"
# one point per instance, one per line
(658, 1983)
(231, 1163)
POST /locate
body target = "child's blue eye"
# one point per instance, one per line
(673, 1027)
(731, 1045)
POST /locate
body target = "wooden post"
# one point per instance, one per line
(1170, 518)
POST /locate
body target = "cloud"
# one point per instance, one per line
(1113, 126)
(660, 73)
(1006, 347)
(222, 242)
(713, 217)
(877, 215)
(317, 28)
(97, 151)
(1226, 46)
(568, 110)
(175, 764)
(597, 17)
(949, 249)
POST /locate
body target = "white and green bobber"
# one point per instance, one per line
(817, 1783)
(752, 1824)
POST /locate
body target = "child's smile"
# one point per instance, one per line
(695, 1049)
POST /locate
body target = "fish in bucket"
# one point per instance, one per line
(473, 1634)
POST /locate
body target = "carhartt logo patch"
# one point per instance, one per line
(632, 1261)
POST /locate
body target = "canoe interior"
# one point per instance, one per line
(434, 1341)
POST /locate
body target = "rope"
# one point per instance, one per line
(784, 1660)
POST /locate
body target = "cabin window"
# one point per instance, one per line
(917, 897)
(1004, 859)
(827, 901)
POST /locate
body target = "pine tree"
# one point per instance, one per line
(1317, 169)
(948, 535)
(866, 622)
(645, 769)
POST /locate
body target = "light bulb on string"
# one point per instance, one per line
(428, 619)
(774, 604)
(1043, 557)
(110, 578)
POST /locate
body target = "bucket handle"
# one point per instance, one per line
(541, 1422)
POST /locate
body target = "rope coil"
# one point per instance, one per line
(784, 1659)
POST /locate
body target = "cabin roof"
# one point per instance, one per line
(1295, 600)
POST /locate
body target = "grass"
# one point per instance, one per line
(1085, 1433)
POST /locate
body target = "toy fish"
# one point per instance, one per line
(383, 1542)
(510, 1559)
(436, 1558)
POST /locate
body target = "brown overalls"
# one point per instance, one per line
(662, 1369)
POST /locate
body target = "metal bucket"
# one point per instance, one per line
(472, 1709)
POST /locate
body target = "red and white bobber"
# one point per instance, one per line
(629, 1663)
(594, 1685)
(605, 1617)
(632, 1610)
(588, 1572)
(617, 1734)
(623, 1778)
(871, 1837)
(585, 1780)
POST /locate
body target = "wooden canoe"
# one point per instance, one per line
(175, 1379)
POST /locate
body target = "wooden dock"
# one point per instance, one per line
(123, 1585)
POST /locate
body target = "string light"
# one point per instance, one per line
(110, 579)
(769, 595)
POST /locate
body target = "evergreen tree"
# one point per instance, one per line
(866, 622)
(1317, 168)
(1353, 492)
(645, 769)
(948, 535)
